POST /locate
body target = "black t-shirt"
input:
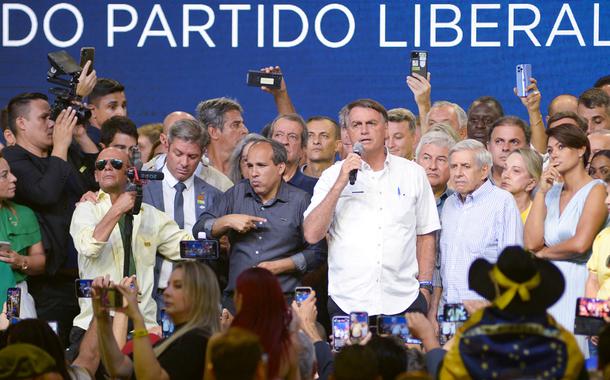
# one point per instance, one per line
(185, 358)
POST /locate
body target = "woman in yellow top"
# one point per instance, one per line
(521, 176)
(598, 282)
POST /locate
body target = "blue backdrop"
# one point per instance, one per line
(143, 45)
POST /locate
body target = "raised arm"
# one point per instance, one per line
(532, 104)
(280, 95)
(116, 363)
(421, 89)
(533, 236)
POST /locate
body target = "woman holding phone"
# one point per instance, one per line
(192, 300)
(21, 250)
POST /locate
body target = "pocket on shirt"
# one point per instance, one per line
(403, 210)
(146, 250)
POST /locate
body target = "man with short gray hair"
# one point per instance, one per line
(205, 171)
(432, 154)
(479, 220)
(222, 119)
(291, 131)
(182, 195)
(446, 112)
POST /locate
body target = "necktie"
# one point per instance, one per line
(179, 204)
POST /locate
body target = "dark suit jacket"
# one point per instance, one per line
(205, 196)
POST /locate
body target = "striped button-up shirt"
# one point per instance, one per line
(479, 226)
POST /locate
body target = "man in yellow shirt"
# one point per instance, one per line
(98, 237)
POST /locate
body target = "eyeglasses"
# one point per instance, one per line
(115, 163)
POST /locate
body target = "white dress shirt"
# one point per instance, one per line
(372, 261)
(169, 192)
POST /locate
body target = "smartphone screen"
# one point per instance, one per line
(359, 325)
(341, 331)
(396, 326)
(111, 298)
(13, 302)
(455, 312)
(419, 63)
(83, 288)
(592, 308)
(301, 293)
(205, 249)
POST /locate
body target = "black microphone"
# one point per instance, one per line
(358, 149)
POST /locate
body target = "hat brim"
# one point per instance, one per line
(542, 297)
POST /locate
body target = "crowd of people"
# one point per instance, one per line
(381, 212)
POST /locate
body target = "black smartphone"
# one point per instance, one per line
(260, 79)
(111, 298)
(301, 293)
(397, 326)
(454, 312)
(589, 318)
(419, 62)
(87, 54)
(359, 325)
(13, 302)
(341, 331)
(204, 249)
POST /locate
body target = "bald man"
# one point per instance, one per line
(204, 170)
(562, 103)
(98, 231)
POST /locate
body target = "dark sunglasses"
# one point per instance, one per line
(115, 163)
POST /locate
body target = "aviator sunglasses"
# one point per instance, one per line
(115, 163)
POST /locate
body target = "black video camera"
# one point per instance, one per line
(62, 65)
(138, 177)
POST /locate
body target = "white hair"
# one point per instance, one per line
(482, 156)
(459, 111)
(436, 138)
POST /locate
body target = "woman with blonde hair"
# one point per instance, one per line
(192, 300)
(521, 176)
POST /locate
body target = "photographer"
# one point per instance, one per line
(52, 173)
(99, 236)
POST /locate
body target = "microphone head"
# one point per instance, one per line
(358, 148)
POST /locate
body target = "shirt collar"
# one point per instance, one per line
(386, 161)
(485, 188)
(172, 181)
(283, 193)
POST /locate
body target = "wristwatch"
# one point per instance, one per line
(426, 285)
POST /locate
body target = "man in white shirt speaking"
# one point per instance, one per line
(380, 229)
